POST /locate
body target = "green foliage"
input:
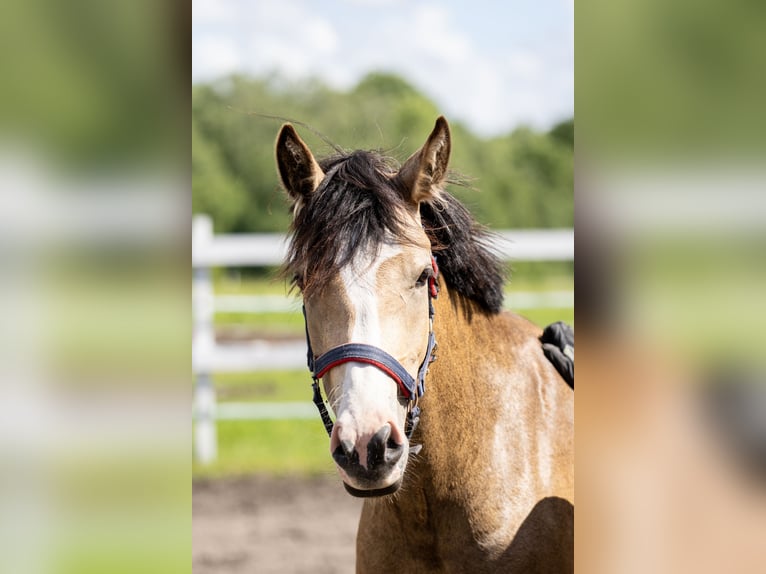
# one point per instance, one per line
(663, 81)
(523, 179)
(564, 132)
(214, 188)
(91, 84)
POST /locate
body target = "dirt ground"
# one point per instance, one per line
(268, 525)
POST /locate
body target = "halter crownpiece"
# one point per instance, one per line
(411, 388)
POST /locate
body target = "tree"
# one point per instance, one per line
(523, 179)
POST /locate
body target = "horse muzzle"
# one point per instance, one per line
(373, 466)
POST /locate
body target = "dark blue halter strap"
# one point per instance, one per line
(368, 354)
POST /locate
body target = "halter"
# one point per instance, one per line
(411, 389)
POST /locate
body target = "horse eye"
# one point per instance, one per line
(298, 280)
(424, 276)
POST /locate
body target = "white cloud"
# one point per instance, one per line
(207, 11)
(433, 34)
(524, 64)
(296, 54)
(259, 36)
(215, 56)
(376, 2)
(492, 88)
(491, 91)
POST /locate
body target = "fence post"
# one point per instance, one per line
(203, 348)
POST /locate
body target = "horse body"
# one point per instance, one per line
(492, 488)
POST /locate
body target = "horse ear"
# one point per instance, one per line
(299, 171)
(426, 169)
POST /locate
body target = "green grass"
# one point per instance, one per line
(266, 386)
(545, 317)
(274, 447)
(238, 283)
(271, 323)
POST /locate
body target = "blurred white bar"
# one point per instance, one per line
(536, 245)
(38, 208)
(539, 299)
(250, 357)
(246, 249)
(711, 199)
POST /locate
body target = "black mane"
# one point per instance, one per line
(463, 253)
(360, 205)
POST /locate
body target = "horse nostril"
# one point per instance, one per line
(383, 450)
(348, 447)
(345, 455)
(382, 435)
(376, 448)
(393, 452)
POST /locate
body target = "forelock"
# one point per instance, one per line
(358, 207)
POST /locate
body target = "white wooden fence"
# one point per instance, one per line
(255, 250)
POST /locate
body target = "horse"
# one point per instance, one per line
(449, 420)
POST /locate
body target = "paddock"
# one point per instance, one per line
(273, 525)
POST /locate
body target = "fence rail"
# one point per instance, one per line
(265, 249)
(244, 250)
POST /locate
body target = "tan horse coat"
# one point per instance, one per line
(492, 490)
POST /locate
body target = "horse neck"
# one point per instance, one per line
(484, 386)
(496, 430)
(466, 337)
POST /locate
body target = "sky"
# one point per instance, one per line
(494, 65)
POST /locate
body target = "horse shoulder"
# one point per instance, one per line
(533, 451)
(499, 492)
(540, 401)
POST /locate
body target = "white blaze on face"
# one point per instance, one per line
(368, 397)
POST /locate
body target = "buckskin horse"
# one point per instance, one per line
(467, 469)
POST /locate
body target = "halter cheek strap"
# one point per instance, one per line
(411, 389)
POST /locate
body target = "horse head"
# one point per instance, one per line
(362, 260)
